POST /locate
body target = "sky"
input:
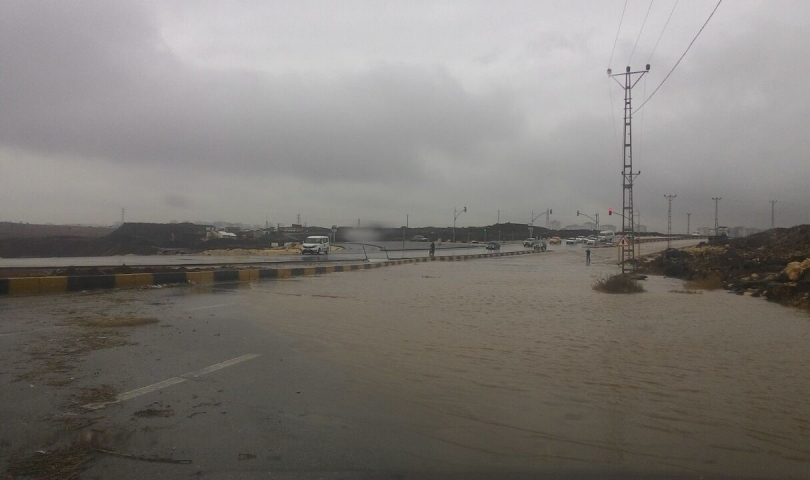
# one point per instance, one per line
(386, 112)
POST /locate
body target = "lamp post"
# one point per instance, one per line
(595, 220)
(456, 213)
(547, 212)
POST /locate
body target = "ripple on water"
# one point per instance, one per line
(536, 362)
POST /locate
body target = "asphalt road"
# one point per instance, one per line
(377, 251)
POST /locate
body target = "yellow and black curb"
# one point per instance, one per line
(79, 283)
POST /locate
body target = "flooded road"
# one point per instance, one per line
(508, 367)
(515, 364)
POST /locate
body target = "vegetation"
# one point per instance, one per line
(618, 284)
(709, 282)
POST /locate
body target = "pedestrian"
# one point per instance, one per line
(432, 248)
(587, 257)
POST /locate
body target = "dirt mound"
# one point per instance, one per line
(774, 264)
(67, 247)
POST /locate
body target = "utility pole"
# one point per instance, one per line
(688, 219)
(631, 79)
(669, 220)
(773, 202)
(531, 225)
(298, 219)
(123, 211)
(499, 225)
(716, 211)
(455, 216)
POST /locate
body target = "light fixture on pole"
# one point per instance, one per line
(455, 216)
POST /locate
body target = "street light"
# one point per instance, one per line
(595, 220)
(455, 216)
(531, 227)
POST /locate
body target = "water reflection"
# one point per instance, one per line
(517, 363)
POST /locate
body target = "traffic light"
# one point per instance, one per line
(485, 230)
(610, 211)
(577, 212)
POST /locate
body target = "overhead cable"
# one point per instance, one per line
(639, 31)
(663, 30)
(679, 60)
(617, 34)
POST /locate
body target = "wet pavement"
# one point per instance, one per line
(497, 368)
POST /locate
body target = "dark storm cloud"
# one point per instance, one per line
(95, 80)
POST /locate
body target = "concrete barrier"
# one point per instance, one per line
(66, 284)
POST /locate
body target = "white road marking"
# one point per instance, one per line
(220, 366)
(209, 306)
(169, 382)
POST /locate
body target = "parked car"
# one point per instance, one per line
(419, 238)
(315, 244)
(528, 242)
(493, 246)
(571, 241)
(590, 241)
(555, 240)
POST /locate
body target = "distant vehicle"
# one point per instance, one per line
(493, 246)
(571, 241)
(528, 242)
(419, 238)
(606, 236)
(590, 241)
(581, 239)
(315, 244)
(555, 240)
(539, 244)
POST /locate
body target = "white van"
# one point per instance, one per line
(606, 236)
(315, 244)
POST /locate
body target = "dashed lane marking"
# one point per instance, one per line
(209, 306)
(169, 382)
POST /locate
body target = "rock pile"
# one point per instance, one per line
(774, 264)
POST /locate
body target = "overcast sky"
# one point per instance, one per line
(338, 111)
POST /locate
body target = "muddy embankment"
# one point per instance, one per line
(774, 264)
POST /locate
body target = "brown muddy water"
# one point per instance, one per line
(516, 364)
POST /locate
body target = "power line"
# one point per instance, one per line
(617, 34)
(663, 30)
(613, 118)
(639, 32)
(679, 60)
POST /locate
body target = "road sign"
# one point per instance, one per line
(623, 242)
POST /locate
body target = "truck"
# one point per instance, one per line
(606, 236)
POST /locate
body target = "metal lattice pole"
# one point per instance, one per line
(773, 202)
(628, 228)
(669, 220)
(688, 220)
(716, 216)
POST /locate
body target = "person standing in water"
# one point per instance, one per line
(587, 257)
(432, 248)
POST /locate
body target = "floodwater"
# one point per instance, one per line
(515, 364)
